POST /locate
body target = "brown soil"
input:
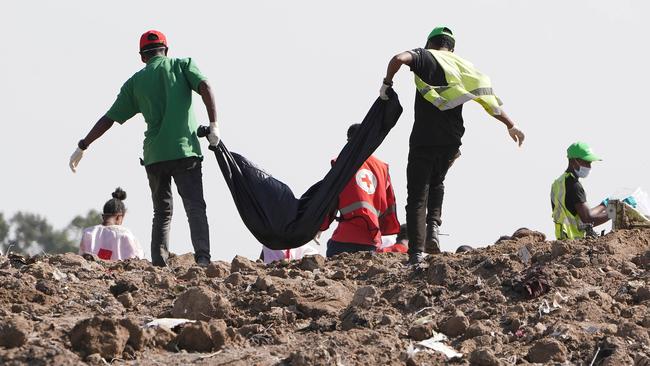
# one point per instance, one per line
(357, 309)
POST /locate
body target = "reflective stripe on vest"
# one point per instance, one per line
(357, 205)
(367, 205)
(465, 83)
(567, 225)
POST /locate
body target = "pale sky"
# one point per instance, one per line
(290, 76)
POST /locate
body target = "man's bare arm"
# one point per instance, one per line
(98, 130)
(595, 216)
(404, 58)
(208, 99)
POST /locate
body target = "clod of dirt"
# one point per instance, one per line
(420, 332)
(14, 331)
(234, 279)
(263, 283)
(311, 262)
(126, 300)
(547, 350)
(181, 261)
(123, 286)
(195, 337)
(101, 335)
(364, 297)
(643, 294)
(202, 336)
(633, 331)
(477, 329)
(439, 274)
(200, 303)
(455, 325)
(559, 248)
(242, 264)
(483, 357)
(161, 337)
(217, 269)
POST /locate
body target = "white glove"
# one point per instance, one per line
(75, 158)
(214, 137)
(516, 134)
(383, 89)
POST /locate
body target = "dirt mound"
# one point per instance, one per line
(522, 300)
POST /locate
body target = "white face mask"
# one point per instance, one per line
(583, 172)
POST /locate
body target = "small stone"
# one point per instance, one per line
(643, 294)
(338, 275)
(217, 269)
(95, 358)
(483, 357)
(123, 286)
(479, 314)
(512, 322)
(126, 300)
(420, 332)
(477, 329)
(263, 283)
(364, 297)
(234, 279)
(547, 350)
(455, 326)
(311, 262)
(242, 264)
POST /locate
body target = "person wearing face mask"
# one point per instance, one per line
(572, 217)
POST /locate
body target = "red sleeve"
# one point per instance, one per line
(388, 223)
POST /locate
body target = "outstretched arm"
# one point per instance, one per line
(404, 58)
(97, 131)
(515, 133)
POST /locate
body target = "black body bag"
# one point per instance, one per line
(269, 208)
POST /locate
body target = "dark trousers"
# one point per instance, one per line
(189, 183)
(425, 175)
(335, 247)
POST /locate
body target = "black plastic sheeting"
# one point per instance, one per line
(269, 208)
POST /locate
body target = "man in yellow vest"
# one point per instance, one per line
(444, 82)
(571, 215)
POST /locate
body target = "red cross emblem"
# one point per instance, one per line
(366, 181)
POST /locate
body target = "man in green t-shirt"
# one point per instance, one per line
(162, 92)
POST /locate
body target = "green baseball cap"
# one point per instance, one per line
(441, 31)
(580, 150)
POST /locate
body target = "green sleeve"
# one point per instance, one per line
(124, 106)
(192, 73)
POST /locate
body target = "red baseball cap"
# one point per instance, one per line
(152, 37)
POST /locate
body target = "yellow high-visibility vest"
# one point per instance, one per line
(464, 83)
(567, 225)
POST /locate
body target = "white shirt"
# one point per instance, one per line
(271, 255)
(113, 242)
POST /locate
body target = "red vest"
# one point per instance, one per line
(366, 206)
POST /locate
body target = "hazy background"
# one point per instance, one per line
(290, 76)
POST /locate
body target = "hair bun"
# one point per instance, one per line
(119, 194)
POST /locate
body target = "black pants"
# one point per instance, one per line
(425, 175)
(335, 247)
(189, 183)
